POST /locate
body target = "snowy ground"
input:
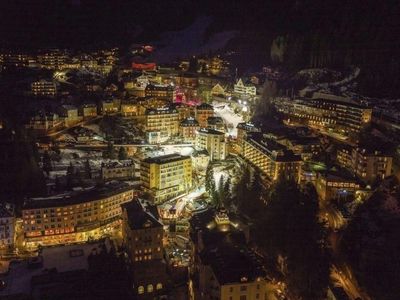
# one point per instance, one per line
(231, 119)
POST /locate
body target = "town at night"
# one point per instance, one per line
(199, 150)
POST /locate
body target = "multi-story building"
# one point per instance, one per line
(52, 59)
(118, 170)
(166, 177)
(242, 89)
(305, 146)
(165, 92)
(108, 107)
(14, 59)
(75, 217)
(7, 228)
(271, 158)
(188, 128)
(213, 141)
(223, 266)
(203, 112)
(200, 160)
(44, 88)
(331, 185)
(371, 165)
(70, 115)
(88, 110)
(164, 120)
(45, 122)
(143, 235)
(216, 123)
(344, 117)
(242, 130)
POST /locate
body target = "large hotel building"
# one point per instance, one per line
(167, 176)
(76, 217)
(272, 158)
(344, 117)
(164, 120)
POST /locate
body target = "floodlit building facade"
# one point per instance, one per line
(271, 158)
(166, 177)
(188, 128)
(164, 120)
(203, 112)
(44, 88)
(242, 89)
(75, 217)
(213, 141)
(7, 228)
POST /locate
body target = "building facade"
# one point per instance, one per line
(44, 88)
(164, 120)
(213, 141)
(166, 177)
(242, 89)
(143, 235)
(188, 128)
(203, 112)
(7, 228)
(118, 170)
(271, 158)
(75, 217)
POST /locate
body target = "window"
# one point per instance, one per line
(140, 289)
(150, 288)
(159, 286)
(231, 289)
(243, 288)
(243, 297)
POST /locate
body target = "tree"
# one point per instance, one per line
(47, 165)
(290, 222)
(122, 155)
(227, 192)
(88, 170)
(70, 175)
(110, 151)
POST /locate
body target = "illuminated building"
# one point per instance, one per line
(165, 92)
(200, 160)
(164, 120)
(118, 170)
(331, 185)
(242, 130)
(9, 59)
(188, 128)
(143, 236)
(342, 116)
(44, 88)
(88, 110)
(213, 141)
(166, 177)
(368, 165)
(7, 228)
(223, 266)
(130, 108)
(108, 107)
(76, 217)
(70, 115)
(216, 123)
(187, 80)
(270, 157)
(203, 112)
(45, 122)
(52, 59)
(242, 89)
(218, 91)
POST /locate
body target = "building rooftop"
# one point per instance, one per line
(165, 159)
(211, 131)
(205, 106)
(215, 120)
(87, 195)
(233, 263)
(141, 215)
(160, 111)
(189, 122)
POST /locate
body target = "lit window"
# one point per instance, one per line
(140, 289)
(159, 286)
(150, 288)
